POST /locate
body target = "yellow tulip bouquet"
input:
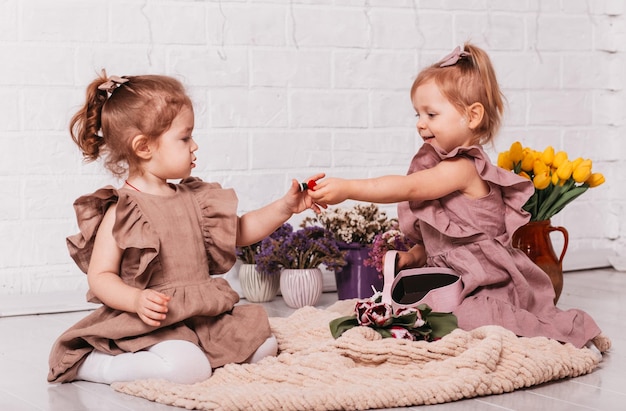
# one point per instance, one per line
(557, 180)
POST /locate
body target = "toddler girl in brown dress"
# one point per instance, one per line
(150, 248)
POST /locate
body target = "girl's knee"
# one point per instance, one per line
(186, 362)
(269, 348)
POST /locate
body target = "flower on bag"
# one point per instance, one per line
(359, 224)
(401, 333)
(373, 313)
(392, 239)
(305, 248)
(418, 323)
(558, 181)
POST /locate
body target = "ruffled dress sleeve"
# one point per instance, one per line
(219, 220)
(134, 234)
(90, 210)
(131, 231)
(439, 213)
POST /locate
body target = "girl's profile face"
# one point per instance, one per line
(173, 152)
(439, 122)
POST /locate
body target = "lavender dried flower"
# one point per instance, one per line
(308, 247)
(248, 253)
(392, 239)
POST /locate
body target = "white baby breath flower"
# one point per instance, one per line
(360, 224)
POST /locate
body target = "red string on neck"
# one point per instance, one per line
(132, 186)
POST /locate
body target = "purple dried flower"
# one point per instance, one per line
(248, 254)
(306, 248)
(393, 239)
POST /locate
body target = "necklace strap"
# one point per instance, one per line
(132, 186)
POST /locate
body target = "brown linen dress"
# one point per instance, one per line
(501, 285)
(171, 244)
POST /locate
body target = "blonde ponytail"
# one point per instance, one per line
(86, 123)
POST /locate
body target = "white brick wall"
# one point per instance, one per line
(284, 89)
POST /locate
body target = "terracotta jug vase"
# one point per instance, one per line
(534, 240)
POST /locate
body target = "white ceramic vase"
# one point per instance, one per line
(258, 287)
(301, 286)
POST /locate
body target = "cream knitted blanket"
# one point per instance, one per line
(360, 370)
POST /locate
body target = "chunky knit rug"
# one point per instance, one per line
(360, 370)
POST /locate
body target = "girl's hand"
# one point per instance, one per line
(297, 201)
(151, 306)
(415, 257)
(330, 191)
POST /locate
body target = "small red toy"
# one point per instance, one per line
(310, 185)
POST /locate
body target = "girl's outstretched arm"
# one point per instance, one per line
(446, 177)
(106, 284)
(258, 224)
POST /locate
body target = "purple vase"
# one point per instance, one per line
(355, 280)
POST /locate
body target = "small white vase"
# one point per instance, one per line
(301, 286)
(258, 287)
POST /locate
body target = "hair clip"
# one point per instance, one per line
(112, 83)
(310, 185)
(452, 58)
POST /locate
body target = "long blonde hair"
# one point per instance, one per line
(472, 79)
(109, 120)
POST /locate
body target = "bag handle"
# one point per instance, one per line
(389, 273)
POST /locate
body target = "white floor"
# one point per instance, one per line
(25, 341)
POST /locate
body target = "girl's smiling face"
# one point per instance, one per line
(439, 122)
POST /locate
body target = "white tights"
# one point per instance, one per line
(178, 361)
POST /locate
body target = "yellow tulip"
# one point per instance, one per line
(528, 161)
(595, 179)
(559, 158)
(565, 170)
(539, 167)
(582, 172)
(577, 162)
(555, 178)
(516, 152)
(504, 161)
(542, 180)
(548, 155)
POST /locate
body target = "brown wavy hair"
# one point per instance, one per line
(107, 123)
(471, 80)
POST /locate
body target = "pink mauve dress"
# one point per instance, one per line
(501, 285)
(171, 244)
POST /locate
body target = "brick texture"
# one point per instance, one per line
(284, 90)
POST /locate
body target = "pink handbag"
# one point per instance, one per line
(439, 288)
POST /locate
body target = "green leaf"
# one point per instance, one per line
(424, 309)
(342, 324)
(383, 332)
(547, 202)
(405, 320)
(564, 200)
(442, 324)
(531, 204)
